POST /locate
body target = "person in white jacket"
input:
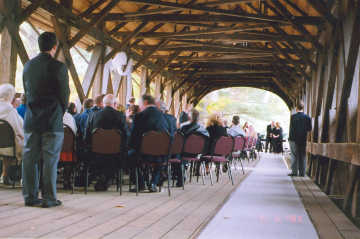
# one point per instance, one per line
(9, 114)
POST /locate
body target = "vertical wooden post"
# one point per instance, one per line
(8, 49)
(157, 87)
(143, 76)
(97, 85)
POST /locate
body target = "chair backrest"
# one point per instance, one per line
(7, 133)
(177, 144)
(69, 140)
(239, 143)
(223, 145)
(155, 143)
(195, 144)
(107, 141)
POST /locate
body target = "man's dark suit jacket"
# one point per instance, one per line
(150, 119)
(172, 123)
(269, 131)
(46, 85)
(107, 118)
(194, 127)
(183, 117)
(300, 125)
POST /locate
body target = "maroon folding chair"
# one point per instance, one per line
(68, 156)
(156, 144)
(7, 140)
(111, 144)
(195, 145)
(239, 145)
(176, 149)
(222, 149)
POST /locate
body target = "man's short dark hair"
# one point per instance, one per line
(236, 120)
(300, 105)
(132, 100)
(88, 103)
(47, 41)
(195, 115)
(99, 99)
(149, 99)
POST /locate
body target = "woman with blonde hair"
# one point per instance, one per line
(10, 115)
(215, 128)
(278, 138)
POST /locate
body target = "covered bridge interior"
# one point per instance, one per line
(299, 49)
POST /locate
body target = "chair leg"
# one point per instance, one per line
(230, 174)
(16, 164)
(202, 164)
(169, 177)
(182, 175)
(210, 166)
(242, 166)
(191, 170)
(217, 172)
(86, 178)
(137, 180)
(121, 180)
(72, 178)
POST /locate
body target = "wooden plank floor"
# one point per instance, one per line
(328, 219)
(108, 215)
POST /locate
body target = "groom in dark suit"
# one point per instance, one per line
(46, 85)
(269, 131)
(300, 125)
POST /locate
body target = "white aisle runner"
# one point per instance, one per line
(266, 205)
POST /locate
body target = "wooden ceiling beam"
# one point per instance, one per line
(82, 31)
(206, 18)
(28, 11)
(206, 9)
(299, 27)
(321, 7)
(91, 8)
(55, 8)
(125, 41)
(163, 66)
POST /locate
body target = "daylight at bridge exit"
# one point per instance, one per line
(180, 119)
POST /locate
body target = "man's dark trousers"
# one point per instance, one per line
(298, 156)
(46, 146)
(268, 141)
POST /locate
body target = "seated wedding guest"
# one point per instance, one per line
(9, 114)
(149, 119)
(235, 129)
(82, 118)
(130, 115)
(131, 102)
(22, 107)
(193, 126)
(16, 102)
(107, 118)
(184, 115)
(119, 107)
(215, 128)
(69, 121)
(72, 108)
(246, 128)
(170, 118)
(97, 107)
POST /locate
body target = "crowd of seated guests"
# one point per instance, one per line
(133, 121)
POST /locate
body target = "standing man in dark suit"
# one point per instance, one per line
(269, 131)
(46, 86)
(150, 119)
(300, 125)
